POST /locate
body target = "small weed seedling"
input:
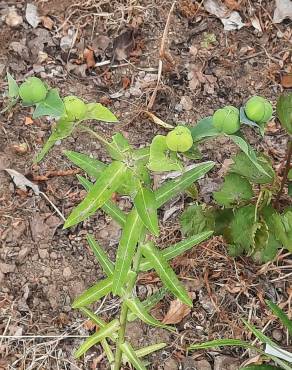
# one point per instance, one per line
(272, 352)
(246, 211)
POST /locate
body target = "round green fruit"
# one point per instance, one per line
(258, 109)
(226, 120)
(180, 139)
(75, 108)
(32, 90)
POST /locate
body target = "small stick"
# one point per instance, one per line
(287, 168)
(161, 56)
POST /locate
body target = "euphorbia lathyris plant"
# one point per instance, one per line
(129, 174)
(69, 112)
(247, 210)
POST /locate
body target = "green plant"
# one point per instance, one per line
(248, 199)
(258, 109)
(69, 112)
(180, 139)
(128, 173)
(272, 351)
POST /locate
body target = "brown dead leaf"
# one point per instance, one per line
(88, 55)
(233, 4)
(89, 325)
(148, 278)
(47, 22)
(51, 174)
(126, 82)
(28, 121)
(286, 80)
(20, 148)
(177, 311)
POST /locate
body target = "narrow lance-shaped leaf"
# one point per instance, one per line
(145, 204)
(104, 332)
(101, 256)
(101, 192)
(141, 352)
(281, 315)
(220, 343)
(99, 112)
(260, 367)
(177, 249)
(97, 320)
(91, 166)
(137, 307)
(131, 356)
(165, 272)
(174, 187)
(109, 207)
(126, 249)
(94, 293)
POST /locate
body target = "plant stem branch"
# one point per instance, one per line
(286, 170)
(124, 309)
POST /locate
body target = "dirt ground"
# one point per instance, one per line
(42, 267)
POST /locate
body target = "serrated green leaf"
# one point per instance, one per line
(220, 343)
(100, 193)
(12, 86)
(91, 166)
(109, 207)
(178, 248)
(173, 187)
(246, 148)
(99, 112)
(165, 272)
(260, 240)
(234, 190)
(139, 310)
(145, 204)
(62, 130)
(204, 128)
(284, 111)
(126, 249)
(100, 255)
(132, 356)
(196, 219)
(281, 315)
(243, 220)
(104, 332)
(94, 293)
(160, 159)
(52, 106)
(245, 167)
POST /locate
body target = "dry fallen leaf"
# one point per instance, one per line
(89, 57)
(47, 22)
(124, 44)
(28, 121)
(230, 19)
(31, 15)
(21, 181)
(177, 311)
(158, 121)
(286, 80)
(233, 4)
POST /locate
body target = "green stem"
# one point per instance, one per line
(124, 309)
(286, 170)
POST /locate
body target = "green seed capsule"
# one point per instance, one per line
(258, 109)
(180, 139)
(226, 120)
(32, 90)
(75, 108)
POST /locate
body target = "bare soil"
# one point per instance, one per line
(42, 267)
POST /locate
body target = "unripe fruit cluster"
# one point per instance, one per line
(258, 109)
(226, 120)
(180, 139)
(75, 108)
(32, 90)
